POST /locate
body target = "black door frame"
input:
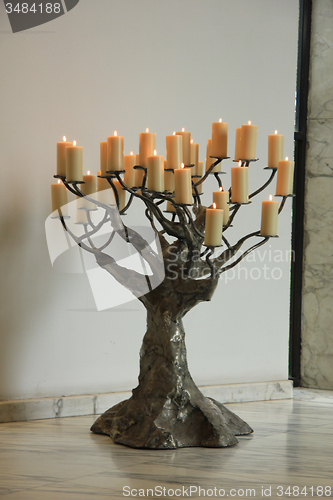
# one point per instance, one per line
(302, 88)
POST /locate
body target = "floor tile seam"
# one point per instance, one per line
(53, 480)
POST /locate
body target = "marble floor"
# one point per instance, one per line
(59, 459)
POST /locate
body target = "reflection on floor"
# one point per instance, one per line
(61, 460)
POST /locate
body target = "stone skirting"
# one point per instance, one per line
(94, 404)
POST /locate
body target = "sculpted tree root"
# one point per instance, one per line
(161, 424)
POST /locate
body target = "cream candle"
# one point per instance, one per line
(186, 146)
(59, 198)
(285, 175)
(209, 160)
(248, 142)
(194, 156)
(102, 184)
(169, 181)
(81, 215)
(61, 156)
(115, 153)
(103, 157)
(237, 143)
(219, 148)
(239, 184)
(129, 176)
(170, 207)
(213, 227)
(221, 200)
(200, 172)
(147, 145)
(183, 186)
(155, 173)
(89, 187)
(90, 184)
(174, 151)
(74, 163)
(275, 149)
(138, 176)
(269, 217)
(104, 190)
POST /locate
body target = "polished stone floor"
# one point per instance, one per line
(59, 459)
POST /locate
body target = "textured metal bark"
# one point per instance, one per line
(167, 410)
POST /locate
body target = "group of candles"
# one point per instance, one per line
(176, 173)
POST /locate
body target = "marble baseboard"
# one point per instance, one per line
(94, 404)
(313, 395)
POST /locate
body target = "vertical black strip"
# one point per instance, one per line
(302, 88)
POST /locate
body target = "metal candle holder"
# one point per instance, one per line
(166, 409)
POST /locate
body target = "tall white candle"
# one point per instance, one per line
(213, 227)
(194, 152)
(104, 190)
(170, 207)
(239, 184)
(74, 163)
(186, 146)
(248, 142)
(285, 174)
(59, 198)
(269, 217)
(275, 149)
(89, 187)
(115, 153)
(147, 145)
(221, 200)
(155, 173)
(138, 176)
(237, 143)
(209, 160)
(174, 151)
(103, 157)
(61, 156)
(129, 176)
(183, 186)
(169, 180)
(200, 171)
(219, 147)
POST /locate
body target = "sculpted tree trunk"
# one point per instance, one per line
(167, 410)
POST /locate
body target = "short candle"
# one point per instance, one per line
(275, 149)
(183, 186)
(285, 175)
(213, 227)
(269, 217)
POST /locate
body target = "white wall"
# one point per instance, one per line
(128, 65)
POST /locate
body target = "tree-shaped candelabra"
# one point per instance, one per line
(167, 410)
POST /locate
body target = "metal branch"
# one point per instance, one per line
(232, 216)
(129, 203)
(283, 201)
(244, 254)
(172, 228)
(213, 165)
(264, 186)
